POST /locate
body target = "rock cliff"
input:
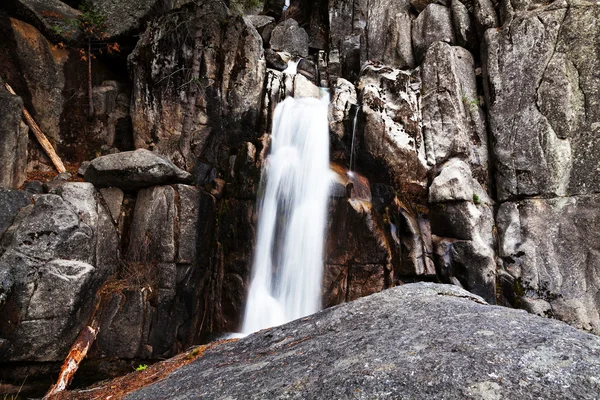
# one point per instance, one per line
(471, 128)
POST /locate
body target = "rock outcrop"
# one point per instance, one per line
(367, 349)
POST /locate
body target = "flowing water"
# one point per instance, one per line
(292, 204)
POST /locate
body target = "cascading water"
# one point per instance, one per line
(351, 166)
(288, 260)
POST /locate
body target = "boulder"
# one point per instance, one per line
(288, 36)
(551, 251)
(13, 142)
(127, 17)
(264, 26)
(455, 183)
(49, 16)
(423, 341)
(34, 67)
(57, 253)
(434, 24)
(133, 170)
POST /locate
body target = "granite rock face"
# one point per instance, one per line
(465, 349)
(57, 251)
(13, 142)
(226, 108)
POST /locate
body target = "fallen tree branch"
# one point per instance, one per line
(39, 135)
(71, 364)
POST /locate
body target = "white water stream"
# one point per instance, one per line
(292, 205)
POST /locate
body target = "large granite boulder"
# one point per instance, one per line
(13, 142)
(57, 252)
(421, 341)
(133, 170)
(550, 249)
(288, 36)
(11, 201)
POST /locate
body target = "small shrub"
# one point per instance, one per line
(476, 199)
(141, 367)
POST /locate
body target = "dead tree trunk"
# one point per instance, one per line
(39, 135)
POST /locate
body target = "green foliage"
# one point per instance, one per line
(91, 21)
(476, 199)
(470, 102)
(141, 367)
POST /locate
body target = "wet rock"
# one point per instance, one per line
(364, 280)
(288, 36)
(355, 234)
(466, 339)
(13, 142)
(434, 24)
(410, 234)
(469, 253)
(390, 126)
(550, 247)
(132, 170)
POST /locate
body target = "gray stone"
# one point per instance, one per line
(551, 248)
(453, 122)
(422, 341)
(228, 106)
(389, 33)
(464, 29)
(541, 89)
(288, 36)
(38, 71)
(264, 25)
(132, 170)
(11, 201)
(124, 17)
(455, 183)
(49, 16)
(13, 142)
(343, 102)
(434, 24)
(61, 247)
(154, 226)
(113, 198)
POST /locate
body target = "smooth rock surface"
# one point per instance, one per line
(132, 170)
(422, 341)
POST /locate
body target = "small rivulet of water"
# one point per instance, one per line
(292, 209)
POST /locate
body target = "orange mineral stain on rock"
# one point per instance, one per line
(28, 34)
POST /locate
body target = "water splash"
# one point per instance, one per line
(288, 260)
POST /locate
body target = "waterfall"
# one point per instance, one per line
(292, 67)
(292, 206)
(351, 167)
